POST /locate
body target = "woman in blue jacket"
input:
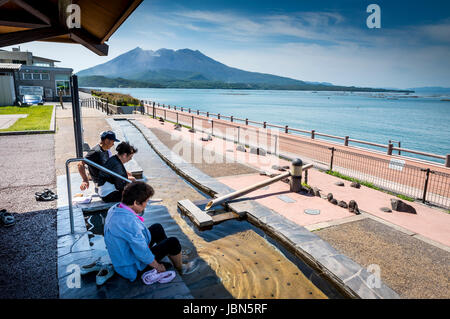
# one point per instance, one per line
(134, 248)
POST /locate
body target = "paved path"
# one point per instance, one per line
(7, 120)
(28, 249)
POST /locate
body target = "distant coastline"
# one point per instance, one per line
(102, 81)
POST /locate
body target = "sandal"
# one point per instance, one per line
(152, 276)
(46, 195)
(7, 218)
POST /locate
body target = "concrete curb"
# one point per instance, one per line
(348, 276)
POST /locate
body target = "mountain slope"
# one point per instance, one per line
(164, 64)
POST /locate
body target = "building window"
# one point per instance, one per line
(36, 76)
(27, 76)
(64, 86)
(41, 64)
(45, 76)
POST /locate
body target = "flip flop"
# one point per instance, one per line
(152, 276)
(7, 218)
(46, 195)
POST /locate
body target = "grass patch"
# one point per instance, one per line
(367, 184)
(38, 118)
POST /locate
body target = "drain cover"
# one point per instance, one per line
(286, 199)
(312, 211)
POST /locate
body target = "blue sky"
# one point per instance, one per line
(320, 40)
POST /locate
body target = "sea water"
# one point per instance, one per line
(419, 122)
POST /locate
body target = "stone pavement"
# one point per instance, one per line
(6, 120)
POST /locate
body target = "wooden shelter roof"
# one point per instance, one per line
(45, 20)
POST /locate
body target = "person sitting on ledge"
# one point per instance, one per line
(99, 154)
(110, 187)
(134, 248)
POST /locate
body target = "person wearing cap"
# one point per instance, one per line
(99, 154)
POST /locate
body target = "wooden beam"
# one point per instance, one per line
(84, 38)
(13, 38)
(122, 18)
(2, 2)
(36, 12)
(21, 24)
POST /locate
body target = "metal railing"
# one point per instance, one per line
(69, 184)
(379, 169)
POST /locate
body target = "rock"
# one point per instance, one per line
(191, 130)
(278, 168)
(316, 191)
(355, 185)
(286, 180)
(342, 204)
(161, 119)
(334, 201)
(241, 148)
(353, 207)
(310, 191)
(386, 209)
(330, 196)
(258, 151)
(204, 139)
(339, 183)
(401, 206)
(263, 173)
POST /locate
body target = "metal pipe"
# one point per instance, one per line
(246, 190)
(249, 189)
(69, 184)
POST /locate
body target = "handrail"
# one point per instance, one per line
(69, 186)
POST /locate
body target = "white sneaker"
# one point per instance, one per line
(104, 274)
(95, 266)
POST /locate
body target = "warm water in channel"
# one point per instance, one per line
(232, 260)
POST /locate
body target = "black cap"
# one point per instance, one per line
(109, 135)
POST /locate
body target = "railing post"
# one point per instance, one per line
(198, 112)
(346, 141)
(207, 114)
(313, 134)
(399, 146)
(181, 109)
(286, 129)
(192, 125)
(264, 124)
(332, 158)
(218, 116)
(390, 146)
(189, 110)
(427, 177)
(231, 118)
(246, 121)
(165, 116)
(212, 127)
(447, 160)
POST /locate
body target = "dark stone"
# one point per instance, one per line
(386, 209)
(339, 183)
(263, 173)
(311, 191)
(353, 207)
(258, 151)
(342, 204)
(401, 206)
(355, 185)
(334, 201)
(285, 180)
(316, 191)
(161, 119)
(241, 148)
(204, 139)
(330, 196)
(191, 130)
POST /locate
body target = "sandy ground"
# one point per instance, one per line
(411, 267)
